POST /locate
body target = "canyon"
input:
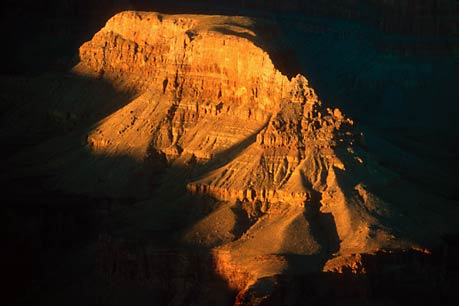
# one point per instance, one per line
(213, 173)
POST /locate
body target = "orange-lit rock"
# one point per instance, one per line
(203, 92)
(228, 154)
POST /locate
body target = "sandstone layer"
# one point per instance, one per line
(227, 154)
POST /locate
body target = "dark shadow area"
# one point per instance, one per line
(427, 158)
(243, 220)
(44, 234)
(71, 249)
(46, 35)
(323, 227)
(55, 105)
(175, 276)
(48, 235)
(398, 278)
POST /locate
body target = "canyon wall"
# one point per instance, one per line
(225, 154)
(216, 100)
(211, 101)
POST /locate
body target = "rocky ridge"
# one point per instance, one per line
(211, 101)
(209, 118)
(202, 79)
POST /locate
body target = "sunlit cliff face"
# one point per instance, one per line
(208, 99)
(206, 117)
(202, 92)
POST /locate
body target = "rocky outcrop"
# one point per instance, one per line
(193, 75)
(211, 101)
(186, 57)
(200, 79)
(230, 156)
(280, 163)
(209, 104)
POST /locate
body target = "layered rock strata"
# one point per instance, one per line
(207, 115)
(210, 100)
(206, 92)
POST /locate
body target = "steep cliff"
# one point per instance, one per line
(227, 153)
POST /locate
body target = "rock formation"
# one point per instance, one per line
(414, 27)
(228, 155)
